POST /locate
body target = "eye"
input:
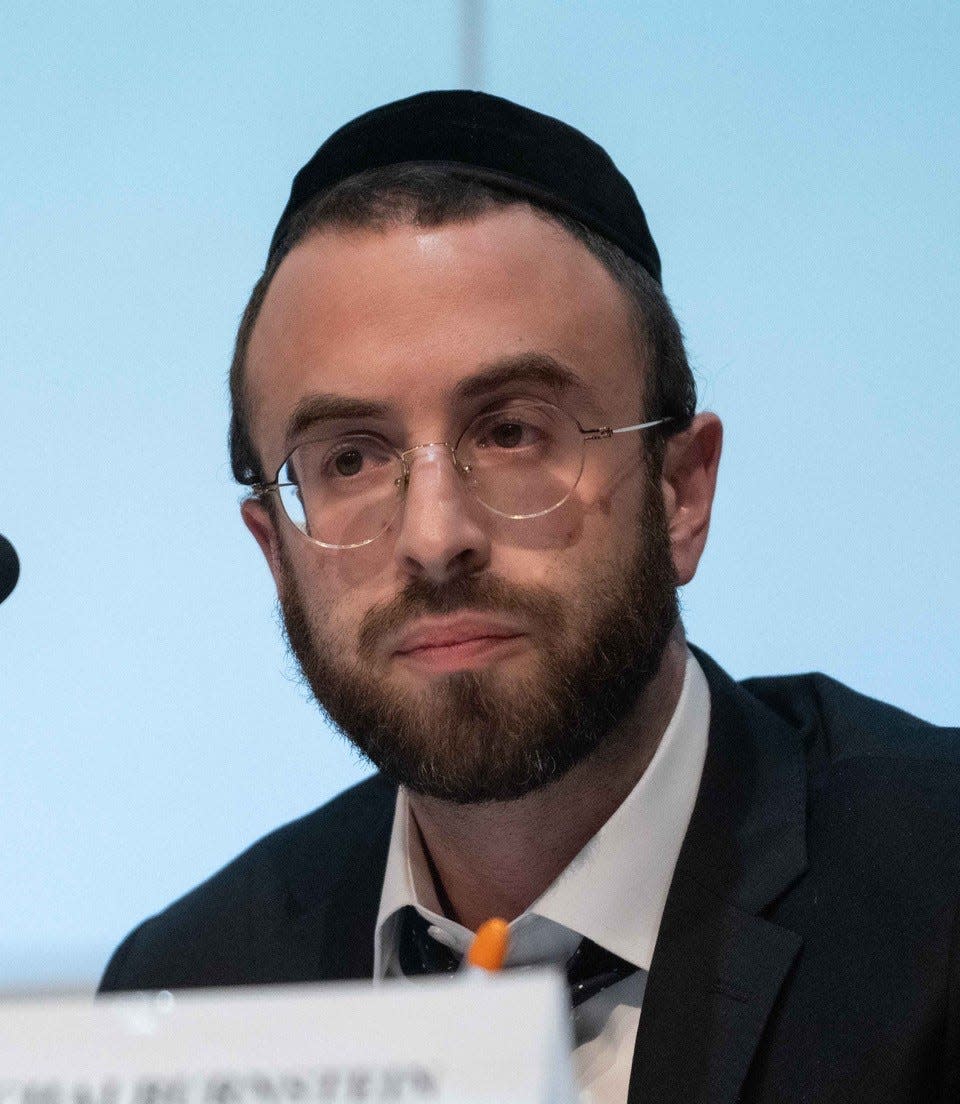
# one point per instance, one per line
(354, 457)
(344, 462)
(348, 462)
(509, 432)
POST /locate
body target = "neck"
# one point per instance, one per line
(497, 858)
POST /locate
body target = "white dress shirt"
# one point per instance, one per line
(613, 892)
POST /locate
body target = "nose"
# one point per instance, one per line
(441, 534)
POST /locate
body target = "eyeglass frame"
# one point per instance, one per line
(597, 433)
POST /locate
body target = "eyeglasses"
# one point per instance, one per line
(521, 460)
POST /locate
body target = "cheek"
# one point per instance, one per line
(611, 514)
(535, 537)
(314, 574)
(330, 577)
(580, 540)
(360, 571)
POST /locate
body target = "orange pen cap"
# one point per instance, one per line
(488, 951)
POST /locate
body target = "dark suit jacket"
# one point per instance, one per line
(810, 945)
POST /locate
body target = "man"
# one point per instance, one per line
(463, 407)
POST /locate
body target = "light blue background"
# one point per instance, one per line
(799, 167)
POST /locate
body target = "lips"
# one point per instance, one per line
(435, 636)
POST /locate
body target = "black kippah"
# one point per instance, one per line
(491, 139)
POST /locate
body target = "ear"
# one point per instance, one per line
(689, 482)
(259, 521)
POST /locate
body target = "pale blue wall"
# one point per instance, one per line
(799, 167)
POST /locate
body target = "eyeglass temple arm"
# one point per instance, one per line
(602, 432)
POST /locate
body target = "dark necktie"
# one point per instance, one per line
(590, 969)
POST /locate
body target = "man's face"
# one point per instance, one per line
(471, 656)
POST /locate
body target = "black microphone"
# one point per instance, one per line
(9, 568)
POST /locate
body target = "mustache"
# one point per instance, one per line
(484, 593)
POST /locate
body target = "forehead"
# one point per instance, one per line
(403, 316)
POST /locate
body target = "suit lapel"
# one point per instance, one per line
(715, 976)
(332, 941)
(334, 900)
(718, 965)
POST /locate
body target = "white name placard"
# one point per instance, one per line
(461, 1040)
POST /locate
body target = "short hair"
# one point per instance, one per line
(430, 195)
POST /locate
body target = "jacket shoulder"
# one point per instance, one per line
(209, 936)
(844, 724)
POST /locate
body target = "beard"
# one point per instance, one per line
(485, 735)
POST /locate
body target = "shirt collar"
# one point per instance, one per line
(613, 891)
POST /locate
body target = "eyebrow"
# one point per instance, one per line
(330, 408)
(534, 367)
(525, 368)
